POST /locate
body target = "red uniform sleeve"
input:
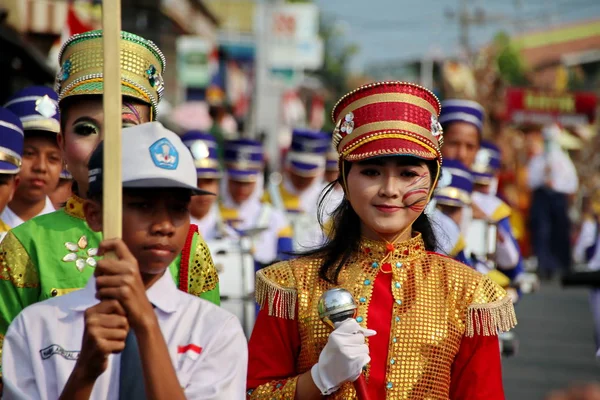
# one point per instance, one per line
(477, 370)
(272, 353)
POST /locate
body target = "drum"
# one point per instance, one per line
(234, 263)
(481, 240)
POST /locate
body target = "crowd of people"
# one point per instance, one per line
(399, 206)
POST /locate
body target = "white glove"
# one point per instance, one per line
(343, 357)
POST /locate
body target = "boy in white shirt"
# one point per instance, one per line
(142, 337)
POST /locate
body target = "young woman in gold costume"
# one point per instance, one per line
(426, 325)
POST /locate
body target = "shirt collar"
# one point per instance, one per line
(164, 295)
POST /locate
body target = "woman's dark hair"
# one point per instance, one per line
(344, 231)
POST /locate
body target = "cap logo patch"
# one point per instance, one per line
(164, 154)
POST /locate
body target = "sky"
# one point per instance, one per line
(394, 30)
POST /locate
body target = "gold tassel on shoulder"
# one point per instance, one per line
(280, 301)
(489, 318)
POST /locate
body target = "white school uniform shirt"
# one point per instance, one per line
(563, 174)
(13, 220)
(205, 342)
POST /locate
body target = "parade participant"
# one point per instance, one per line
(63, 191)
(552, 178)
(485, 171)
(11, 150)
(37, 107)
(131, 307)
(204, 209)
(452, 196)
(241, 205)
(462, 121)
(426, 325)
(54, 254)
(298, 194)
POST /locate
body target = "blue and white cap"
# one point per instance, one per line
(306, 156)
(244, 159)
(37, 107)
(455, 185)
(487, 163)
(203, 147)
(11, 142)
(153, 157)
(455, 110)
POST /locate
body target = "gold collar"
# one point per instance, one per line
(387, 255)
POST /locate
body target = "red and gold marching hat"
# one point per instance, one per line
(388, 118)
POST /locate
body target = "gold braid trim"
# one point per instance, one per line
(267, 291)
(285, 390)
(488, 319)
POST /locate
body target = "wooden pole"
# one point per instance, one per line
(112, 192)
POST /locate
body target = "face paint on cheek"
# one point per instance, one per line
(416, 198)
(130, 115)
(419, 179)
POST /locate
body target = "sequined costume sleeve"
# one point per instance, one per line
(269, 376)
(203, 280)
(19, 282)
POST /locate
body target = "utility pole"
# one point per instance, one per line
(467, 18)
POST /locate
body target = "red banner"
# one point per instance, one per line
(544, 107)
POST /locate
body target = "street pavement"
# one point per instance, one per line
(556, 344)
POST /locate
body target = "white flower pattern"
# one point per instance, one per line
(80, 254)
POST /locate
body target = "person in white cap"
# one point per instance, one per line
(85, 344)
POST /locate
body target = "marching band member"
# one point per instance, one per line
(485, 170)
(11, 150)
(242, 207)
(54, 254)
(462, 121)
(170, 344)
(453, 194)
(204, 209)
(37, 107)
(302, 184)
(426, 325)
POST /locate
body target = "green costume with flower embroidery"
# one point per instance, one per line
(54, 254)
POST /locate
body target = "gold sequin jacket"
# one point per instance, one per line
(436, 303)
